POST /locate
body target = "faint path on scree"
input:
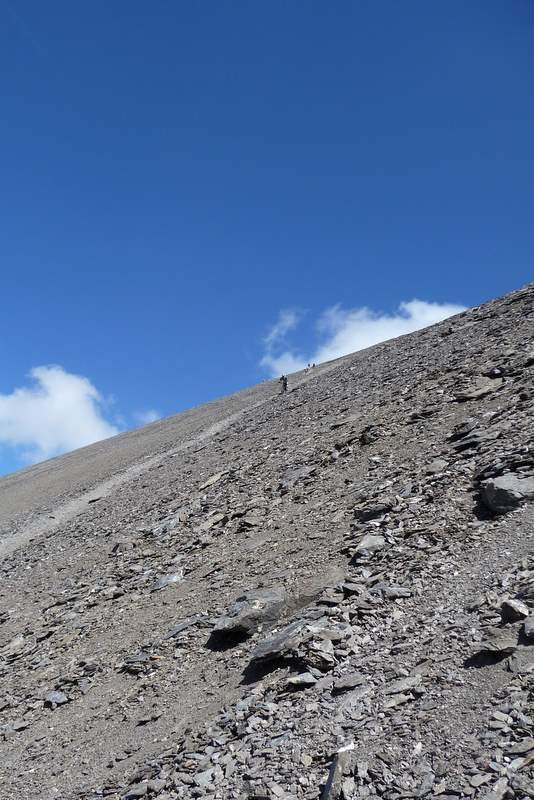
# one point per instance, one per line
(72, 508)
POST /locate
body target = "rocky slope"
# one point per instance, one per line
(325, 594)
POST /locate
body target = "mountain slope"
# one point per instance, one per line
(322, 593)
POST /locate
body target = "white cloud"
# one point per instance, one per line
(146, 417)
(288, 319)
(343, 331)
(283, 364)
(59, 412)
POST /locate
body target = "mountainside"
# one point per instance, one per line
(327, 593)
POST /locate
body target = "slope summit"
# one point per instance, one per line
(323, 594)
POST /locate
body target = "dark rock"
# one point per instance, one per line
(529, 627)
(513, 611)
(302, 681)
(251, 612)
(506, 492)
(340, 766)
(292, 640)
(463, 428)
(373, 509)
(370, 434)
(349, 681)
(181, 626)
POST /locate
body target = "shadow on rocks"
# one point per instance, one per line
(219, 641)
(481, 511)
(484, 659)
(257, 670)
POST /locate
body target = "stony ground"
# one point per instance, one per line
(324, 594)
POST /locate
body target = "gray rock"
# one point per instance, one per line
(204, 778)
(529, 627)
(212, 480)
(370, 434)
(478, 389)
(463, 428)
(189, 622)
(391, 592)
(498, 790)
(436, 466)
(521, 748)
(11, 728)
(500, 641)
(513, 611)
(373, 509)
(369, 545)
(168, 580)
(214, 519)
(251, 612)
(338, 769)
(138, 790)
(137, 663)
(346, 682)
(282, 643)
(294, 475)
(302, 681)
(506, 492)
(479, 779)
(403, 684)
(303, 638)
(54, 699)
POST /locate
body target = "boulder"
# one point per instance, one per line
(54, 699)
(369, 545)
(304, 639)
(513, 611)
(506, 492)
(500, 642)
(251, 611)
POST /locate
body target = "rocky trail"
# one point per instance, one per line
(17, 535)
(324, 595)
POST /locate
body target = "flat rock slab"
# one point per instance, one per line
(369, 545)
(250, 612)
(507, 492)
(500, 641)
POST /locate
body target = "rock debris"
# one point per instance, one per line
(330, 598)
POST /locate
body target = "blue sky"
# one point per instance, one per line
(176, 175)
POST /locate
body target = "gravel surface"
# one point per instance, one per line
(327, 593)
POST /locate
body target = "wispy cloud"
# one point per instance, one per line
(288, 319)
(146, 417)
(345, 330)
(59, 411)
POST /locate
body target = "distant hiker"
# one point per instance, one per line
(313, 365)
(283, 381)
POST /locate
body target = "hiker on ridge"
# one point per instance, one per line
(283, 381)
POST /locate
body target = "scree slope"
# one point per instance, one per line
(327, 593)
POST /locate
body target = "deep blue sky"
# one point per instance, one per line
(173, 174)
